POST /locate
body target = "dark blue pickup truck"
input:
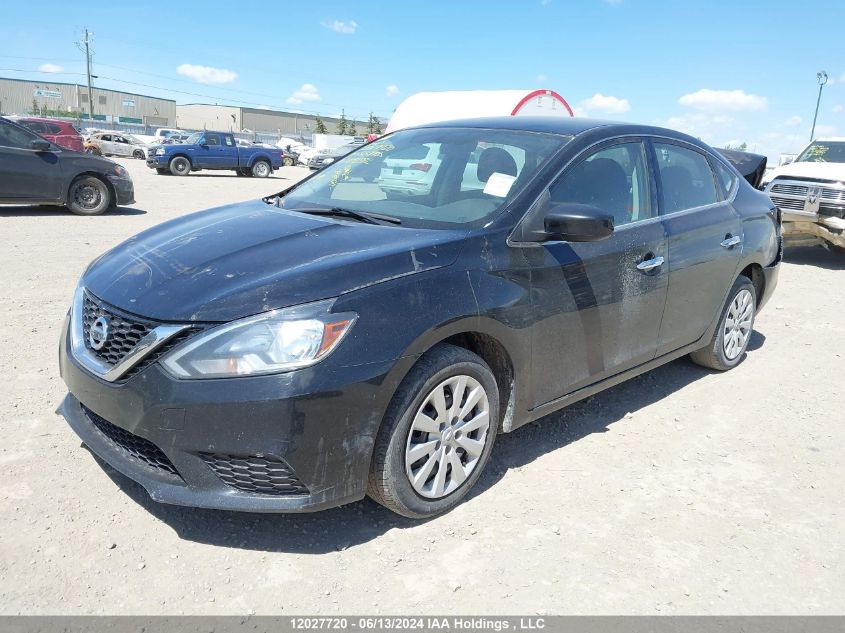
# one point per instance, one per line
(213, 150)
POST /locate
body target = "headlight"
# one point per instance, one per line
(160, 151)
(273, 342)
(326, 161)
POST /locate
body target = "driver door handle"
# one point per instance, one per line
(731, 240)
(650, 264)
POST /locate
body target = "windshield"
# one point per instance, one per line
(437, 177)
(823, 152)
(194, 138)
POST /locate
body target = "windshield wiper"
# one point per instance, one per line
(369, 218)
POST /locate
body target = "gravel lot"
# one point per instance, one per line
(682, 491)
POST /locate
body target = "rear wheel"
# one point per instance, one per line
(88, 195)
(730, 340)
(437, 434)
(287, 161)
(261, 169)
(138, 154)
(180, 166)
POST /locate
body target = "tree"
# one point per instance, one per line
(742, 147)
(341, 124)
(352, 130)
(373, 126)
(319, 126)
(35, 108)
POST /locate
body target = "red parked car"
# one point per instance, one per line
(56, 131)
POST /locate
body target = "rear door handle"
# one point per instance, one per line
(650, 264)
(731, 240)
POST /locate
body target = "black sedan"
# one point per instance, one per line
(339, 339)
(35, 171)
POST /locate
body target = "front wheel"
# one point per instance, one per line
(437, 434)
(88, 196)
(730, 340)
(180, 166)
(261, 169)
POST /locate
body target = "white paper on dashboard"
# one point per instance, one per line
(499, 185)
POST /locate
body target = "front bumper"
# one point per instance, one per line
(154, 161)
(124, 190)
(827, 229)
(316, 428)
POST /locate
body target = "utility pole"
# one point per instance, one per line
(821, 76)
(85, 45)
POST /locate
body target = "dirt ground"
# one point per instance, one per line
(682, 491)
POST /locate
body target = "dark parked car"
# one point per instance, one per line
(56, 131)
(329, 156)
(35, 171)
(335, 340)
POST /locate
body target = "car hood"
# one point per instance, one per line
(247, 258)
(823, 171)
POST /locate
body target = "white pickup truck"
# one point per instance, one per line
(810, 192)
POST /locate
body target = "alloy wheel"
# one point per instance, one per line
(447, 437)
(738, 323)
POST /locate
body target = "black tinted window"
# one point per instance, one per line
(35, 126)
(212, 139)
(686, 178)
(13, 136)
(614, 179)
(726, 178)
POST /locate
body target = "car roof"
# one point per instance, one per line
(830, 139)
(569, 126)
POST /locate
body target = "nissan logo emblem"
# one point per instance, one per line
(99, 333)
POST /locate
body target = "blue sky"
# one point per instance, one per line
(726, 71)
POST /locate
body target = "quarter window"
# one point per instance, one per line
(686, 178)
(614, 179)
(726, 178)
(229, 141)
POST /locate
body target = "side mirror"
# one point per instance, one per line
(578, 223)
(40, 145)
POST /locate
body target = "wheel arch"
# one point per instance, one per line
(180, 155)
(261, 157)
(99, 176)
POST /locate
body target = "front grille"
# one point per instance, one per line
(124, 331)
(788, 203)
(258, 474)
(834, 195)
(791, 190)
(159, 351)
(131, 445)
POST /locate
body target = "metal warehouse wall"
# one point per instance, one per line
(196, 116)
(199, 116)
(16, 97)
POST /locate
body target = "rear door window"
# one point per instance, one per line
(12, 136)
(726, 178)
(686, 178)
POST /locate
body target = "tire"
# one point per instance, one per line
(719, 355)
(88, 195)
(180, 166)
(287, 161)
(138, 154)
(261, 169)
(443, 371)
(162, 171)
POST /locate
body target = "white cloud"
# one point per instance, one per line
(50, 68)
(605, 104)
(715, 129)
(207, 74)
(837, 108)
(793, 121)
(825, 130)
(339, 26)
(724, 101)
(307, 92)
(391, 90)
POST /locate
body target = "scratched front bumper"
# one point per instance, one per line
(322, 424)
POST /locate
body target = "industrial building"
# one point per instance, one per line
(57, 99)
(199, 116)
